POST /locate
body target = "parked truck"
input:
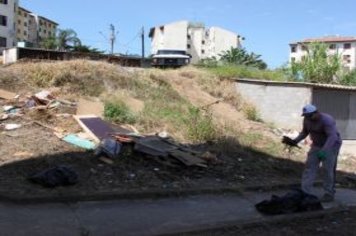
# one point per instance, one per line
(170, 58)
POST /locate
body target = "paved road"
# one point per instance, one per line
(137, 217)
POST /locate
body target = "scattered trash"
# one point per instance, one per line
(57, 176)
(23, 154)
(294, 201)
(79, 142)
(109, 147)
(10, 126)
(106, 160)
(8, 108)
(7, 95)
(4, 117)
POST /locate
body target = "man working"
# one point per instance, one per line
(326, 143)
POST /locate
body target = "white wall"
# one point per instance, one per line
(173, 36)
(10, 55)
(9, 31)
(279, 104)
(221, 40)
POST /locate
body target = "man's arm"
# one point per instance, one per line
(331, 133)
(303, 134)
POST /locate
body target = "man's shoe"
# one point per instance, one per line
(327, 198)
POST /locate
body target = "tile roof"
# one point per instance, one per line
(328, 39)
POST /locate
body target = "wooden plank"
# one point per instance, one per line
(85, 128)
(187, 158)
(6, 94)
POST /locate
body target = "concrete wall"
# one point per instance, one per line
(10, 55)
(279, 104)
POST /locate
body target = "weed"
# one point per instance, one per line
(251, 113)
(118, 112)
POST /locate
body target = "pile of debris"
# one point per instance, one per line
(107, 140)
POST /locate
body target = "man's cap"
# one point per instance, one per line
(308, 109)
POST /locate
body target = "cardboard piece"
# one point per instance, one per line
(7, 95)
(80, 142)
(87, 107)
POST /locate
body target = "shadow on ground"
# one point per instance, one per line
(237, 167)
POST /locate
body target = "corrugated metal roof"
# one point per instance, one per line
(300, 84)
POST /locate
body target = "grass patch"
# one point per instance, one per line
(228, 71)
(118, 111)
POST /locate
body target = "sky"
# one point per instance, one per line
(267, 25)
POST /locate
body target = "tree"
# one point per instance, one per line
(317, 66)
(67, 39)
(49, 43)
(239, 56)
(63, 40)
(87, 49)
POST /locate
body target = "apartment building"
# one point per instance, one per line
(8, 9)
(32, 28)
(194, 38)
(344, 46)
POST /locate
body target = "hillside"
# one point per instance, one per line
(194, 107)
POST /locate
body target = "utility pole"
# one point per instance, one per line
(143, 45)
(112, 38)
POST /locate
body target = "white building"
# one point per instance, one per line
(8, 9)
(193, 38)
(344, 46)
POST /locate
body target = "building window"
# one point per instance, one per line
(292, 59)
(347, 45)
(304, 48)
(3, 20)
(293, 49)
(189, 37)
(19, 13)
(332, 46)
(24, 32)
(45, 31)
(203, 51)
(346, 58)
(3, 1)
(188, 46)
(2, 42)
(203, 42)
(18, 31)
(25, 23)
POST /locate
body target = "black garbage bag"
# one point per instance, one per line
(57, 176)
(294, 201)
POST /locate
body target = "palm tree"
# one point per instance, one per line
(239, 56)
(67, 39)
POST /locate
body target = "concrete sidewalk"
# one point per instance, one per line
(140, 217)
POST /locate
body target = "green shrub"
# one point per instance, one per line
(118, 112)
(200, 125)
